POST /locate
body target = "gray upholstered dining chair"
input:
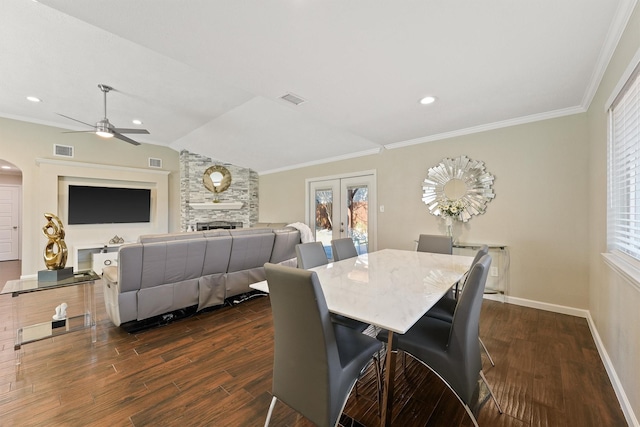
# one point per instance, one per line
(343, 249)
(311, 255)
(435, 243)
(438, 245)
(316, 362)
(452, 350)
(446, 306)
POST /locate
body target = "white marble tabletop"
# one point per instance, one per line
(390, 288)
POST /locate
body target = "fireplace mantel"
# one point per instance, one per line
(217, 206)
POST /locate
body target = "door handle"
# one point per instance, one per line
(15, 227)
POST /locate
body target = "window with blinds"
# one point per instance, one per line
(623, 215)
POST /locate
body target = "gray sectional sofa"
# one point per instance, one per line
(163, 273)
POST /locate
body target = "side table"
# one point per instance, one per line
(498, 281)
(33, 320)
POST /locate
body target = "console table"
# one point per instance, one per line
(83, 254)
(33, 312)
(498, 281)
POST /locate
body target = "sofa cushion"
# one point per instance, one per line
(250, 251)
(217, 254)
(216, 232)
(130, 272)
(151, 238)
(249, 231)
(284, 245)
(172, 261)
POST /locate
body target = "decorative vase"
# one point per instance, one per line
(448, 222)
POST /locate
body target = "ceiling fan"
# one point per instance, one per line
(104, 128)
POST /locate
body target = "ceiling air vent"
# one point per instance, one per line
(62, 150)
(155, 163)
(296, 100)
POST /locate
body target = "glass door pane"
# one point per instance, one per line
(358, 217)
(341, 208)
(324, 212)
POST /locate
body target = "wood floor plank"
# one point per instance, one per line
(215, 368)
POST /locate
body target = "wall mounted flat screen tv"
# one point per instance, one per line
(108, 205)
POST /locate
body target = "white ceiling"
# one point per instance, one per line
(207, 75)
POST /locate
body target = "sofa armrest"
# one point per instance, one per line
(110, 274)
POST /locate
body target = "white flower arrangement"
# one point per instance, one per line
(451, 208)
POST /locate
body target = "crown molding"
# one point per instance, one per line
(489, 126)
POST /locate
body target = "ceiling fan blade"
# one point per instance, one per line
(80, 131)
(75, 120)
(122, 130)
(125, 138)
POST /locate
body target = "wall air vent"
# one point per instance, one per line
(155, 163)
(63, 150)
(296, 100)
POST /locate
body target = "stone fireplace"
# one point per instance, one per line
(238, 205)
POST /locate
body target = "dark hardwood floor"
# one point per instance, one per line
(214, 369)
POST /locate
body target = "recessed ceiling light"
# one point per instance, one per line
(137, 122)
(33, 99)
(428, 100)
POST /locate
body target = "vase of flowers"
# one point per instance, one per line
(448, 222)
(450, 211)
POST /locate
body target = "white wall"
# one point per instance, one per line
(55, 177)
(22, 143)
(614, 302)
(550, 208)
(541, 187)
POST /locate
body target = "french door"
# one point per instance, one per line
(341, 207)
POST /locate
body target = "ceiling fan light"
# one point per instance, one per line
(104, 134)
(103, 129)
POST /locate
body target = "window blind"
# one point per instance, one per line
(623, 216)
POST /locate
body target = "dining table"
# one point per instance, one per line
(390, 289)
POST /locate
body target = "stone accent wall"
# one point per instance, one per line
(243, 188)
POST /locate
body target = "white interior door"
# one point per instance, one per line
(9, 222)
(339, 207)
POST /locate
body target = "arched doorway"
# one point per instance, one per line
(10, 211)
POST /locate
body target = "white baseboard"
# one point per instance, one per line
(495, 297)
(562, 309)
(627, 410)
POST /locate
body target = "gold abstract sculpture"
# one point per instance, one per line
(55, 252)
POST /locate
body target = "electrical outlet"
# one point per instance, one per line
(381, 208)
(494, 271)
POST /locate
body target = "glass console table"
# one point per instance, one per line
(498, 281)
(33, 312)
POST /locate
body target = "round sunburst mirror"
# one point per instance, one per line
(216, 179)
(460, 180)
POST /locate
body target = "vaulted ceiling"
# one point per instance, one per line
(209, 75)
